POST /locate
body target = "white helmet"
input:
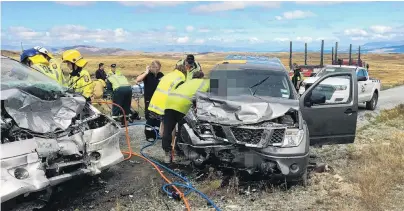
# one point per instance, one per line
(43, 51)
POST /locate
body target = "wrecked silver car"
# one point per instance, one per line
(48, 134)
(252, 119)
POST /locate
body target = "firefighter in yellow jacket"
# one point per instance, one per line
(195, 66)
(34, 59)
(80, 79)
(167, 83)
(178, 103)
(53, 65)
(121, 94)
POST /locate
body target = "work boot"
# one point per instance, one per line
(167, 157)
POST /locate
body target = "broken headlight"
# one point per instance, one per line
(292, 138)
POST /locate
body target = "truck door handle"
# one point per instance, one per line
(349, 111)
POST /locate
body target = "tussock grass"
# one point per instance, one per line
(379, 167)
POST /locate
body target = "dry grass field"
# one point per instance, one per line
(389, 68)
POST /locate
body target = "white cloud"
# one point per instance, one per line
(24, 33)
(189, 28)
(182, 40)
(76, 3)
(228, 6)
(151, 4)
(199, 41)
(355, 32)
(170, 28)
(254, 40)
(381, 29)
(278, 18)
(204, 30)
(281, 39)
(297, 14)
(304, 39)
(357, 38)
(319, 2)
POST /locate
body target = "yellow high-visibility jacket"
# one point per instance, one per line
(180, 99)
(167, 83)
(118, 80)
(197, 67)
(82, 83)
(58, 72)
(99, 86)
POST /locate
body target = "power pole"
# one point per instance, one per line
(350, 54)
(336, 52)
(322, 54)
(305, 53)
(332, 55)
(290, 55)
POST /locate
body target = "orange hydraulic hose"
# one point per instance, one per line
(130, 153)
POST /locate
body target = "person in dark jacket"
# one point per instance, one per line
(296, 76)
(100, 73)
(150, 78)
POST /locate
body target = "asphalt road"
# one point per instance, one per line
(136, 184)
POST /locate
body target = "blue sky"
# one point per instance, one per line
(135, 25)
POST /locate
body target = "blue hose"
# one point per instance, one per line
(187, 185)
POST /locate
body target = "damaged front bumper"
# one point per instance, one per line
(24, 167)
(291, 161)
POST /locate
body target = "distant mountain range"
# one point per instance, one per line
(374, 47)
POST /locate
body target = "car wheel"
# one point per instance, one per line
(371, 105)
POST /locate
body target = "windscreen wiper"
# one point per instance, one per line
(257, 84)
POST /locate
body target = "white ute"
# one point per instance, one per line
(368, 88)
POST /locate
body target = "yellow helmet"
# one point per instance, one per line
(38, 59)
(74, 56)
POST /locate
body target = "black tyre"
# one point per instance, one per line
(371, 105)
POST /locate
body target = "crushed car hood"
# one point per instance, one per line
(243, 109)
(41, 116)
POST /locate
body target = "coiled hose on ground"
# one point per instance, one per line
(156, 165)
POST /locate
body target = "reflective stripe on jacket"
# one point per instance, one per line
(180, 99)
(167, 83)
(82, 84)
(118, 81)
(44, 69)
(58, 72)
(195, 68)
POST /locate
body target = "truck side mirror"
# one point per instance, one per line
(362, 78)
(315, 98)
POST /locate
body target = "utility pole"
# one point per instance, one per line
(305, 53)
(322, 54)
(290, 55)
(350, 54)
(336, 52)
(332, 55)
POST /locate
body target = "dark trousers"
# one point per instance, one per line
(148, 131)
(123, 97)
(171, 118)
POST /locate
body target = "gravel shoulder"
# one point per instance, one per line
(135, 184)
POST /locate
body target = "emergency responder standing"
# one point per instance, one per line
(113, 70)
(122, 94)
(80, 79)
(296, 75)
(100, 73)
(33, 58)
(178, 103)
(167, 83)
(151, 78)
(53, 65)
(195, 66)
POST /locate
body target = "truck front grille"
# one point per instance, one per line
(248, 136)
(277, 136)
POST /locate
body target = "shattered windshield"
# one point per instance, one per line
(327, 70)
(264, 83)
(17, 75)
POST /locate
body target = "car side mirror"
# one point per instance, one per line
(315, 98)
(362, 78)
